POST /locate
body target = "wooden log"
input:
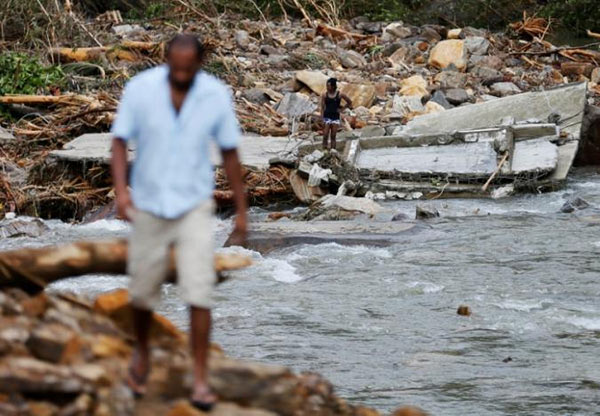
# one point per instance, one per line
(31, 269)
(44, 99)
(577, 68)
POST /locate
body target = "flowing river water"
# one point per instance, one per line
(381, 323)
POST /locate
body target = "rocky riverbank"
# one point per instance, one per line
(393, 71)
(62, 354)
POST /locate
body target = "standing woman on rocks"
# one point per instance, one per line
(331, 106)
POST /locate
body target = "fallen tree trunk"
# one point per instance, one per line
(31, 269)
(131, 51)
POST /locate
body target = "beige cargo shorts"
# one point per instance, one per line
(149, 245)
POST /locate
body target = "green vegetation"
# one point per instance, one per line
(575, 15)
(22, 74)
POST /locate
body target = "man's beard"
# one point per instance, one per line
(181, 86)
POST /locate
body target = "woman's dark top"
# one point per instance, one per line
(332, 106)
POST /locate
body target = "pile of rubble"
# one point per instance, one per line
(63, 355)
(395, 73)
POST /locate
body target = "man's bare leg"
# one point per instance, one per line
(200, 340)
(140, 360)
(334, 129)
(326, 130)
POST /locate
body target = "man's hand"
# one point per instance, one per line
(240, 231)
(119, 174)
(232, 166)
(125, 207)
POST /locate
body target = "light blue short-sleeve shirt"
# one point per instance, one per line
(172, 171)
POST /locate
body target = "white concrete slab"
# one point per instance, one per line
(478, 159)
(255, 151)
(538, 155)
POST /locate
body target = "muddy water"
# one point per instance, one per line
(381, 323)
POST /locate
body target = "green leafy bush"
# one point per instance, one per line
(22, 74)
(575, 15)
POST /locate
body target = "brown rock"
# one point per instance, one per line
(276, 216)
(183, 408)
(42, 409)
(54, 343)
(464, 310)
(362, 95)
(449, 52)
(595, 77)
(35, 306)
(414, 86)
(116, 305)
(577, 68)
(316, 81)
(28, 375)
(104, 346)
(409, 411)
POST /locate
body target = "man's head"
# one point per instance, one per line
(331, 85)
(185, 55)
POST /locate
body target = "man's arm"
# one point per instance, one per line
(233, 169)
(119, 175)
(322, 106)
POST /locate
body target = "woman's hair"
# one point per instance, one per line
(332, 82)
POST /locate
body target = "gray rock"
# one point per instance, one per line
(277, 59)
(5, 136)
(451, 79)
(477, 45)
(350, 59)
(371, 131)
(440, 98)
(488, 97)
(400, 217)
(505, 88)
(124, 30)
(493, 62)
(22, 228)
(269, 50)
(370, 27)
(457, 96)
(430, 34)
(256, 95)
(295, 104)
(424, 213)
(575, 204)
(471, 31)
(395, 31)
(487, 75)
(242, 39)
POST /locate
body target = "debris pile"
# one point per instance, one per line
(62, 354)
(395, 73)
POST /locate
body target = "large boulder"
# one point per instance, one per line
(451, 79)
(362, 95)
(316, 81)
(449, 52)
(395, 31)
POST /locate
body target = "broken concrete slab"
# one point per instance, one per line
(255, 151)
(538, 155)
(294, 104)
(475, 159)
(568, 101)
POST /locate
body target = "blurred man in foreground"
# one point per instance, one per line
(172, 112)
